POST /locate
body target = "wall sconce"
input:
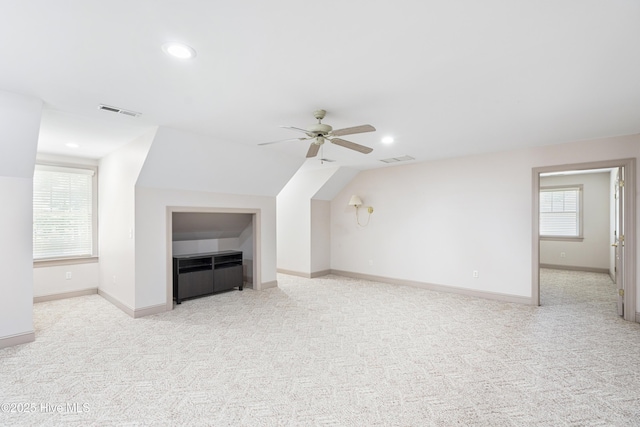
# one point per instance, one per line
(357, 202)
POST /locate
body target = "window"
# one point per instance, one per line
(561, 212)
(64, 212)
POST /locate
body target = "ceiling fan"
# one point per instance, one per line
(319, 132)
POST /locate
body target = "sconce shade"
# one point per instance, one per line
(355, 201)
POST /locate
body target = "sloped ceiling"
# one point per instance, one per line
(445, 78)
(202, 226)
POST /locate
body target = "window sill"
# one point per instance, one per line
(63, 261)
(562, 238)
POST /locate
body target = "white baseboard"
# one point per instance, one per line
(122, 306)
(305, 275)
(576, 268)
(65, 295)
(133, 312)
(440, 288)
(148, 311)
(17, 339)
(294, 273)
(320, 273)
(267, 285)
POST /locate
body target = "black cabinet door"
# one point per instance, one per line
(195, 284)
(225, 278)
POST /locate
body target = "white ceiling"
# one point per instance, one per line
(444, 77)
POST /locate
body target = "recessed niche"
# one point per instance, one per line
(204, 232)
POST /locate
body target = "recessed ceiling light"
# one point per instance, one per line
(179, 50)
(72, 145)
(387, 140)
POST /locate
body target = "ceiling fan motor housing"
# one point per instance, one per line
(319, 129)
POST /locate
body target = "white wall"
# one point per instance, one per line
(246, 242)
(246, 246)
(19, 127)
(593, 250)
(52, 280)
(296, 233)
(188, 161)
(116, 180)
(294, 236)
(320, 236)
(435, 222)
(16, 256)
(613, 178)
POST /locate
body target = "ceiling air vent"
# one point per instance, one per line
(118, 110)
(397, 159)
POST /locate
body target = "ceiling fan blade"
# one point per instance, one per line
(294, 128)
(313, 150)
(352, 130)
(351, 145)
(283, 140)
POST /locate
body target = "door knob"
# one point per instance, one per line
(615, 245)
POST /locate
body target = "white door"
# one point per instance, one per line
(618, 238)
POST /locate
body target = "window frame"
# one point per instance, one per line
(580, 213)
(68, 260)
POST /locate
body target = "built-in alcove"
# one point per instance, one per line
(206, 232)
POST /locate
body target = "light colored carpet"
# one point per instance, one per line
(333, 351)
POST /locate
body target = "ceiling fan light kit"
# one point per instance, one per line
(320, 132)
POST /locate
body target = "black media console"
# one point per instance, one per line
(197, 275)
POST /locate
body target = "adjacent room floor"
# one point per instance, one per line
(332, 351)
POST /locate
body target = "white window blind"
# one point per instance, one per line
(62, 212)
(560, 212)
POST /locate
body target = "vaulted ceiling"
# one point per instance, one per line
(444, 78)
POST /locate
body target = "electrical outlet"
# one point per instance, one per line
(68, 275)
(370, 262)
(476, 274)
(114, 279)
(563, 254)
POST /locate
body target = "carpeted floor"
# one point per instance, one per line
(332, 351)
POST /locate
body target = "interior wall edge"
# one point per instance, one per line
(122, 306)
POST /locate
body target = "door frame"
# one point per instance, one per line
(629, 254)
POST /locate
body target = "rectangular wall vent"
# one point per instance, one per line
(397, 159)
(118, 110)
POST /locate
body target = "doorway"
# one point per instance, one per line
(625, 271)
